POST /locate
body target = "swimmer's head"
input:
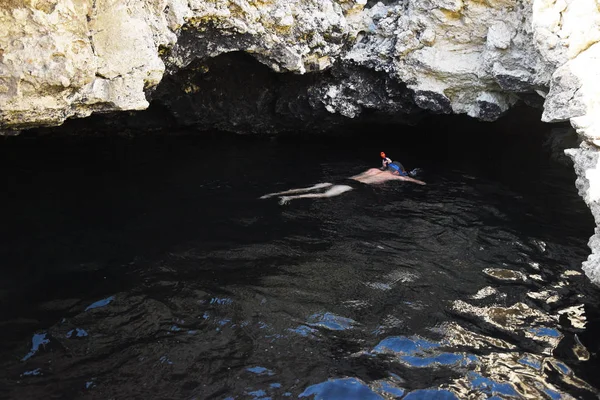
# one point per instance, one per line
(382, 154)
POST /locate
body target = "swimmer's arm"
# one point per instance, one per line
(409, 179)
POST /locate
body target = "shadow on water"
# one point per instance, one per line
(149, 267)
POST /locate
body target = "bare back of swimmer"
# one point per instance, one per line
(374, 176)
(370, 177)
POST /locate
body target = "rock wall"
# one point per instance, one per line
(62, 59)
(568, 35)
(69, 58)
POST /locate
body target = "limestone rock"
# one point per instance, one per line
(69, 58)
(456, 58)
(586, 160)
(63, 58)
(109, 55)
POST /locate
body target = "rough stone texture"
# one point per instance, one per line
(64, 58)
(568, 35)
(339, 59)
(587, 166)
(458, 57)
(69, 58)
(109, 55)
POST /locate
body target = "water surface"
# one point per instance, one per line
(150, 268)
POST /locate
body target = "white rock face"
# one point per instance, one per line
(568, 34)
(587, 167)
(461, 57)
(63, 58)
(68, 58)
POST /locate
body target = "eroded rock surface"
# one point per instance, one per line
(69, 58)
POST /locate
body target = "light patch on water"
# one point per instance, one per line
(532, 362)
(536, 277)
(402, 345)
(165, 359)
(39, 339)
(554, 395)
(100, 303)
(341, 389)
(259, 394)
(378, 286)
(357, 304)
(517, 318)
(485, 292)
(260, 371)
(491, 387)
(419, 353)
(78, 333)
(33, 372)
(331, 321)
(570, 273)
(580, 351)
(506, 375)
(534, 265)
(391, 279)
(576, 315)
(221, 301)
(504, 318)
(545, 331)
(401, 276)
(430, 394)
(304, 330)
(262, 325)
(222, 322)
(440, 359)
(568, 376)
(561, 367)
(388, 389)
(389, 322)
(540, 244)
(549, 296)
(415, 305)
(458, 336)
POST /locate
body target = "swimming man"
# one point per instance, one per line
(371, 176)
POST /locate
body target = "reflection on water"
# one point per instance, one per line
(154, 275)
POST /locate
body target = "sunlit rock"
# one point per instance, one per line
(101, 56)
(485, 292)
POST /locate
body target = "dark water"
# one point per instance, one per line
(150, 269)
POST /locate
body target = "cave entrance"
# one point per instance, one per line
(161, 210)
